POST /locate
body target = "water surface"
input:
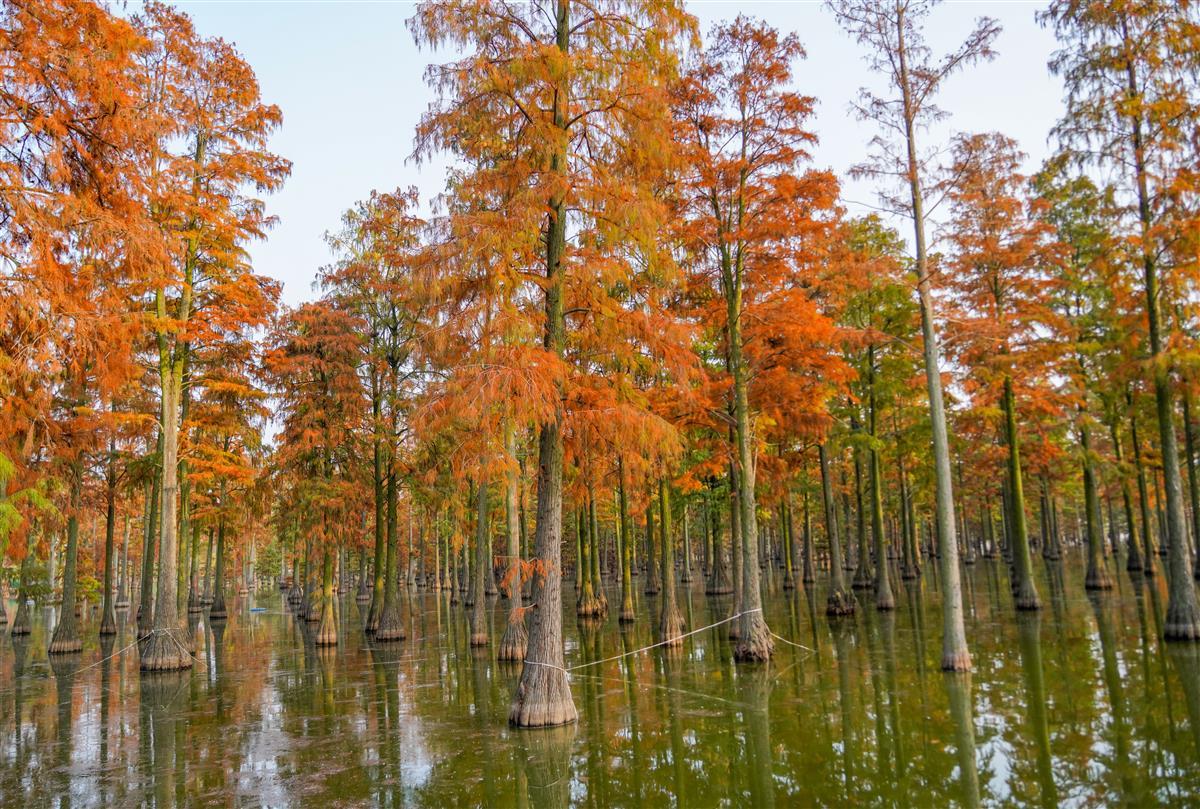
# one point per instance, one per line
(1080, 704)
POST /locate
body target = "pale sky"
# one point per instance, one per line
(350, 83)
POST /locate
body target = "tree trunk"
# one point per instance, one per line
(218, 611)
(327, 628)
(863, 578)
(123, 577)
(1097, 571)
(839, 601)
(108, 615)
(479, 617)
(955, 655)
(375, 611)
(1024, 591)
(515, 639)
(1143, 492)
(145, 617)
(718, 574)
(627, 614)
(1133, 554)
(670, 622)
(543, 695)
(1183, 611)
(653, 585)
(884, 600)
(1189, 438)
(594, 555)
(391, 619)
(168, 647)
(22, 623)
(66, 632)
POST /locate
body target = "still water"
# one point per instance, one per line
(1078, 705)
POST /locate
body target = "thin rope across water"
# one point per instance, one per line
(570, 669)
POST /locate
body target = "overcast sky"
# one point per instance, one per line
(350, 83)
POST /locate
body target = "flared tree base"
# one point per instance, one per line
(627, 614)
(108, 624)
(1025, 597)
(755, 644)
(839, 603)
(22, 625)
(63, 646)
(1098, 579)
(391, 624)
(789, 581)
(884, 600)
(670, 628)
(164, 650)
(863, 580)
(543, 698)
(327, 630)
(1183, 618)
(515, 639)
(956, 660)
(588, 606)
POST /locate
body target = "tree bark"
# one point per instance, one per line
(955, 655)
(670, 622)
(66, 632)
(543, 695)
(480, 633)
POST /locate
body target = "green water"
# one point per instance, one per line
(1078, 705)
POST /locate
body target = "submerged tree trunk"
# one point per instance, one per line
(543, 695)
(218, 611)
(1097, 571)
(594, 556)
(863, 579)
(22, 623)
(515, 639)
(479, 616)
(327, 628)
(670, 622)
(809, 575)
(145, 617)
(1024, 591)
(884, 600)
(627, 614)
(955, 655)
(66, 633)
(391, 619)
(123, 576)
(168, 647)
(839, 601)
(718, 574)
(1143, 492)
(375, 611)
(1183, 611)
(1189, 437)
(653, 585)
(108, 615)
(1133, 554)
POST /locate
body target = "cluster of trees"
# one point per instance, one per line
(128, 361)
(637, 320)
